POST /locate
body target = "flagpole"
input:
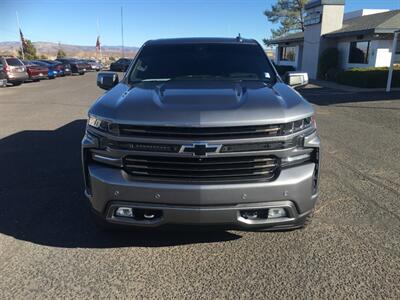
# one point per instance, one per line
(122, 32)
(98, 36)
(19, 30)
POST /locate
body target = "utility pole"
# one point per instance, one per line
(20, 36)
(122, 32)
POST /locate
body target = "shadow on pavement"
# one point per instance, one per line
(330, 96)
(42, 201)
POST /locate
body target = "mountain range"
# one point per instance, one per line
(50, 49)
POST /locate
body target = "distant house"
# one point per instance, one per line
(364, 37)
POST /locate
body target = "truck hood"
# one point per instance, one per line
(201, 103)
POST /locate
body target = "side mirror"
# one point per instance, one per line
(296, 79)
(107, 80)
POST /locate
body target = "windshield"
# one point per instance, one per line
(14, 62)
(198, 61)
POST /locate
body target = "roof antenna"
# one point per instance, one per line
(239, 38)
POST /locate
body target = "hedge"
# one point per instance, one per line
(368, 77)
(328, 60)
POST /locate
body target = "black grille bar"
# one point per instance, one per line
(201, 132)
(209, 169)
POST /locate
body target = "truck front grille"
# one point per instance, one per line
(205, 169)
(195, 133)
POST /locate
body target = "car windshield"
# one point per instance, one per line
(202, 61)
(14, 62)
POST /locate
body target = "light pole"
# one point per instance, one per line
(122, 32)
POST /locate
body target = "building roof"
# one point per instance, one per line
(385, 22)
(315, 3)
(291, 37)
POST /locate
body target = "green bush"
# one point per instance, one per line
(332, 74)
(283, 69)
(328, 60)
(368, 77)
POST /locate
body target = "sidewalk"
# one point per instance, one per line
(315, 83)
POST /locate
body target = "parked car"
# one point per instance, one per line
(51, 73)
(58, 66)
(35, 71)
(87, 67)
(67, 67)
(201, 132)
(3, 78)
(14, 70)
(95, 65)
(76, 66)
(121, 65)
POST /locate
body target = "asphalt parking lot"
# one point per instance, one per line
(49, 247)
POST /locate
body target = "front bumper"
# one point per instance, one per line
(227, 216)
(295, 189)
(194, 204)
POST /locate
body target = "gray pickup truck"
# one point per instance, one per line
(201, 131)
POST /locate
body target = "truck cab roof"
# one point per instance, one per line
(202, 40)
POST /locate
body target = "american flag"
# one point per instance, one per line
(23, 41)
(98, 43)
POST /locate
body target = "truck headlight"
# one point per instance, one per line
(102, 125)
(299, 125)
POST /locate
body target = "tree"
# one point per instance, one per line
(328, 62)
(289, 14)
(61, 54)
(29, 50)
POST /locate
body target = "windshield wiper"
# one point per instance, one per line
(199, 77)
(149, 80)
(248, 77)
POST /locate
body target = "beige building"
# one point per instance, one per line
(364, 37)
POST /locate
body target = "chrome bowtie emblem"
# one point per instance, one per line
(200, 149)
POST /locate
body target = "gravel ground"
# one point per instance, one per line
(49, 247)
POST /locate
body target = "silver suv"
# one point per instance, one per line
(14, 69)
(201, 131)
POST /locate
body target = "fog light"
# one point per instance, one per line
(124, 212)
(274, 213)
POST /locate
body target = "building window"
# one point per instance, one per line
(287, 53)
(398, 47)
(359, 52)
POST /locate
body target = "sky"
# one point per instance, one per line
(75, 21)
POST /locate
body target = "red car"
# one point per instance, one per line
(35, 71)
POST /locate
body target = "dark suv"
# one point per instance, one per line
(14, 70)
(201, 131)
(76, 66)
(121, 65)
